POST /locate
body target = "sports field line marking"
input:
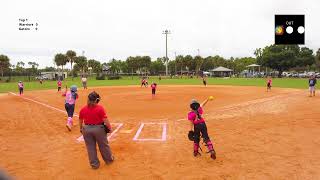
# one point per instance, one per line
(163, 137)
(43, 104)
(119, 125)
(54, 108)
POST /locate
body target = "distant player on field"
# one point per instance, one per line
(143, 82)
(312, 84)
(204, 80)
(269, 84)
(198, 127)
(20, 87)
(59, 83)
(153, 88)
(84, 82)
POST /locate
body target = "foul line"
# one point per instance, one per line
(164, 133)
(46, 105)
(54, 108)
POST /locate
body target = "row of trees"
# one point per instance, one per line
(288, 57)
(182, 64)
(277, 57)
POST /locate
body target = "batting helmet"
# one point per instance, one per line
(73, 88)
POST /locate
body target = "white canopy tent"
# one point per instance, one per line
(253, 66)
(221, 71)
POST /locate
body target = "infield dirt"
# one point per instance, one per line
(256, 134)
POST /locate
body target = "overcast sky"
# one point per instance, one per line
(121, 28)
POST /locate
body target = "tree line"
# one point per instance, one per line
(276, 57)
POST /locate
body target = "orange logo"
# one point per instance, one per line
(279, 30)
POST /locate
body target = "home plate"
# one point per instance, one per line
(80, 139)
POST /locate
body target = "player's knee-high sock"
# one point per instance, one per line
(195, 147)
(209, 145)
(69, 121)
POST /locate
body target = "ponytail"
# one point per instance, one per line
(198, 115)
(93, 99)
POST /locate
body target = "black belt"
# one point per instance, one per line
(94, 124)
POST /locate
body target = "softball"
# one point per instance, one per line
(210, 97)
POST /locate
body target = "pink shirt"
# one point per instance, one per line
(269, 81)
(153, 86)
(192, 116)
(20, 85)
(59, 83)
(69, 98)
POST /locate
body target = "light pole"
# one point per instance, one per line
(175, 62)
(166, 32)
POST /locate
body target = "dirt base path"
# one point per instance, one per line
(257, 135)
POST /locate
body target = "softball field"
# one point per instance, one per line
(256, 134)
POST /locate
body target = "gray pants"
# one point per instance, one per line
(84, 84)
(96, 134)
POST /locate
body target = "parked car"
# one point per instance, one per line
(303, 75)
(294, 74)
(286, 74)
(42, 77)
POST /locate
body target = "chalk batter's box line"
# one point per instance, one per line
(164, 133)
(119, 125)
(59, 110)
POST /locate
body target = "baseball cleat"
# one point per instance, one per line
(68, 127)
(213, 155)
(196, 153)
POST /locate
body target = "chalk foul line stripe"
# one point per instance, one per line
(62, 111)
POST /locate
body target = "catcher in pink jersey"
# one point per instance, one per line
(199, 127)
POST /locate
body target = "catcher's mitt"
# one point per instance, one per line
(106, 129)
(191, 135)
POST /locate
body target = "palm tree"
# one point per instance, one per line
(82, 63)
(4, 63)
(71, 55)
(60, 60)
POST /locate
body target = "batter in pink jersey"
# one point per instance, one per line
(199, 127)
(71, 97)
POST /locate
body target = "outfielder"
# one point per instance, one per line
(269, 84)
(153, 88)
(20, 87)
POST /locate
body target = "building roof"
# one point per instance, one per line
(221, 69)
(253, 65)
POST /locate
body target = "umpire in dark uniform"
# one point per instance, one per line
(94, 125)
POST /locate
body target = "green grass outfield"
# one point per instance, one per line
(276, 82)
